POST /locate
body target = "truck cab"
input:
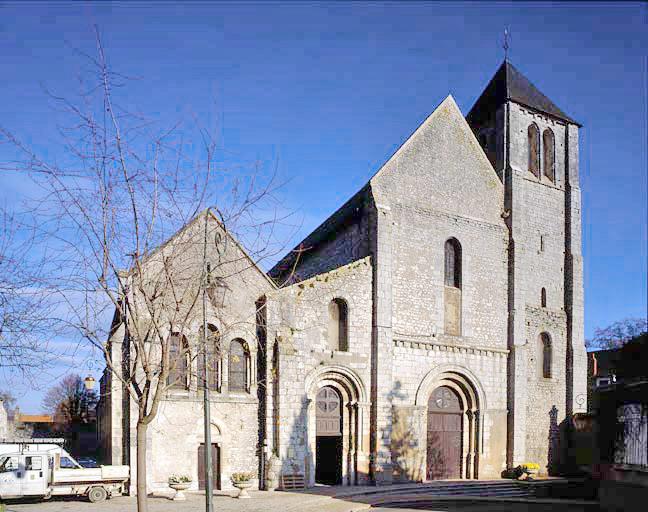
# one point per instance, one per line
(34, 468)
(25, 474)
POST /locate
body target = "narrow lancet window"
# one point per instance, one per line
(214, 360)
(238, 366)
(178, 375)
(549, 152)
(338, 331)
(545, 340)
(534, 149)
(452, 288)
(453, 263)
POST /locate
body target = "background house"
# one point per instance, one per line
(614, 433)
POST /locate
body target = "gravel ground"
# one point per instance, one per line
(259, 502)
(297, 502)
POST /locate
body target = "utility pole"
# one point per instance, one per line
(209, 491)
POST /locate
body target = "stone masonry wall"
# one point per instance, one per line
(546, 396)
(538, 232)
(435, 192)
(348, 244)
(298, 320)
(418, 275)
(174, 435)
(413, 362)
(178, 432)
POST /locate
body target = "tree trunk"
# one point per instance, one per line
(142, 501)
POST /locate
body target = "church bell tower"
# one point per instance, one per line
(533, 147)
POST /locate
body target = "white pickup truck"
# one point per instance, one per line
(41, 467)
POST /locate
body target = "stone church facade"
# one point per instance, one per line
(430, 328)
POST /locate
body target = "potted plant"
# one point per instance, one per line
(179, 483)
(242, 481)
(529, 469)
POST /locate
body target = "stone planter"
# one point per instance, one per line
(242, 487)
(179, 487)
(273, 467)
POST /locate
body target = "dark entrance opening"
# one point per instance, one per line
(215, 456)
(444, 433)
(328, 450)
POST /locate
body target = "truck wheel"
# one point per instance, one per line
(97, 494)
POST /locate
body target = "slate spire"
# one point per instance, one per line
(509, 84)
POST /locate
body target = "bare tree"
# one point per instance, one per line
(69, 402)
(123, 216)
(26, 324)
(617, 334)
(9, 401)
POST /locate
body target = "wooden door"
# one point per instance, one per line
(328, 451)
(215, 455)
(328, 412)
(444, 433)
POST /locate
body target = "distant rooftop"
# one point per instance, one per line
(33, 418)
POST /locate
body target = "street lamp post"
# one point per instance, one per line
(89, 382)
(209, 504)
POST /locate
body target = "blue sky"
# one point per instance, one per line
(327, 91)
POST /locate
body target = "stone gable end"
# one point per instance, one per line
(442, 166)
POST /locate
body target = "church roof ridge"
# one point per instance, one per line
(508, 83)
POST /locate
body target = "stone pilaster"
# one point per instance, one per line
(576, 370)
(382, 347)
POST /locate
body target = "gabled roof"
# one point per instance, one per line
(200, 216)
(509, 84)
(323, 232)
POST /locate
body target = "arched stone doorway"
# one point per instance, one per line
(444, 434)
(331, 384)
(328, 450)
(456, 391)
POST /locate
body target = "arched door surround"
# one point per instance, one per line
(467, 391)
(330, 384)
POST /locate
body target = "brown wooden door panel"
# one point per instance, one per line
(215, 467)
(444, 434)
(451, 422)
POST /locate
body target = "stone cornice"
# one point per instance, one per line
(451, 216)
(449, 347)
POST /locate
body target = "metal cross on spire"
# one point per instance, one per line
(506, 45)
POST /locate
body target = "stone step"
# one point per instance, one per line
(463, 492)
(477, 488)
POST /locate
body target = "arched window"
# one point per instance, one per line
(452, 289)
(548, 153)
(453, 263)
(338, 331)
(238, 366)
(543, 298)
(178, 375)
(214, 360)
(534, 149)
(545, 340)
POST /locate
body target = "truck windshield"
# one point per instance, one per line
(8, 464)
(67, 463)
